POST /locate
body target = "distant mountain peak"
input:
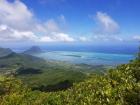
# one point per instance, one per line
(33, 50)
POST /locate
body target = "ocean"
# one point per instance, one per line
(89, 54)
(90, 58)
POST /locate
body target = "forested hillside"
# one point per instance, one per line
(119, 86)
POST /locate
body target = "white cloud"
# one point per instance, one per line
(118, 38)
(57, 37)
(106, 30)
(106, 38)
(84, 39)
(52, 25)
(62, 37)
(47, 27)
(15, 14)
(18, 23)
(106, 23)
(137, 38)
(100, 38)
(46, 39)
(9, 34)
(3, 27)
(14, 11)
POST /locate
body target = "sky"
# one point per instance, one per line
(96, 22)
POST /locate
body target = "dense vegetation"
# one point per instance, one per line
(119, 86)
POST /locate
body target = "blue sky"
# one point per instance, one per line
(69, 21)
(77, 12)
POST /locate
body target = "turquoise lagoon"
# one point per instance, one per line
(91, 58)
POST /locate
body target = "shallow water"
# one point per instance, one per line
(91, 58)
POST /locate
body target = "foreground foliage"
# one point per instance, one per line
(119, 86)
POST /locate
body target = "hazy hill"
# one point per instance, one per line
(33, 50)
(5, 52)
(15, 59)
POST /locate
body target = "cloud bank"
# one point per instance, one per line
(18, 23)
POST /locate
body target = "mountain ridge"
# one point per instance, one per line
(5, 52)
